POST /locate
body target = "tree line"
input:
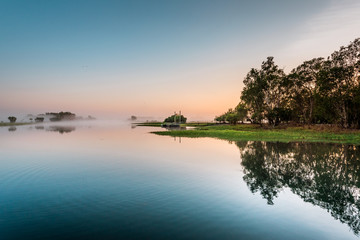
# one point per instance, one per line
(318, 91)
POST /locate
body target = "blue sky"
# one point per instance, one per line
(150, 58)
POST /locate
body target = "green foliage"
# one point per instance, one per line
(242, 111)
(264, 91)
(252, 132)
(176, 118)
(234, 116)
(317, 91)
(12, 119)
(303, 87)
(221, 118)
(253, 94)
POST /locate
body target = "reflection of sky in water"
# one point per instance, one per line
(114, 181)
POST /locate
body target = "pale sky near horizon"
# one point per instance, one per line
(114, 59)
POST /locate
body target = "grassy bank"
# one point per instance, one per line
(247, 132)
(191, 124)
(8, 124)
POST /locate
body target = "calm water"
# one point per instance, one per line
(111, 181)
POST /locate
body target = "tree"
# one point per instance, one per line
(221, 118)
(345, 76)
(274, 94)
(263, 91)
(253, 95)
(232, 117)
(241, 110)
(176, 118)
(39, 119)
(303, 88)
(12, 119)
(61, 116)
(317, 91)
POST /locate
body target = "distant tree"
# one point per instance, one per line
(12, 119)
(133, 118)
(61, 116)
(176, 118)
(55, 119)
(39, 119)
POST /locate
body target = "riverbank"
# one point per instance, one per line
(8, 124)
(250, 132)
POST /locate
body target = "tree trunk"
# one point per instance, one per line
(343, 114)
(311, 110)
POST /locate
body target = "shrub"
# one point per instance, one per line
(12, 119)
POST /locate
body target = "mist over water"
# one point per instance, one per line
(109, 180)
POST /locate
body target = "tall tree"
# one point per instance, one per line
(253, 94)
(341, 82)
(263, 91)
(303, 88)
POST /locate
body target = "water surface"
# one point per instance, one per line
(111, 181)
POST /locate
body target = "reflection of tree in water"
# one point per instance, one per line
(61, 129)
(326, 175)
(12, 129)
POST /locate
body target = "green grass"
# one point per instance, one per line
(248, 132)
(8, 124)
(198, 124)
(191, 124)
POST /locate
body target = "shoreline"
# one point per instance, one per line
(8, 124)
(252, 132)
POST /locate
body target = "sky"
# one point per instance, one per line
(114, 59)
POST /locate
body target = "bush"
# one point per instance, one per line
(12, 119)
(176, 118)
